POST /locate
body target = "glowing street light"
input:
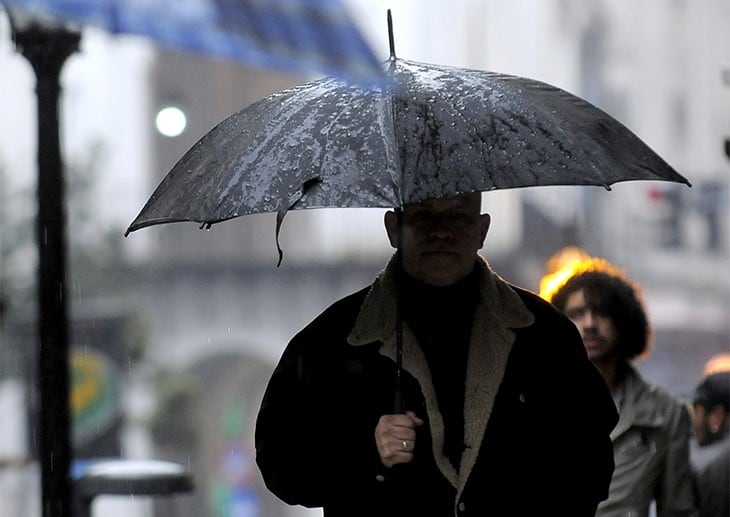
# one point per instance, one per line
(171, 121)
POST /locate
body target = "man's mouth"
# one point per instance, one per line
(591, 341)
(439, 252)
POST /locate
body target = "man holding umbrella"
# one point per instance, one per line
(495, 392)
(493, 388)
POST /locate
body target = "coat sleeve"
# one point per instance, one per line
(581, 411)
(307, 450)
(585, 394)
(675, 495)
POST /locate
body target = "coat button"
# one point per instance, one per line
(522, 397)
(380, 478)
(462, 507)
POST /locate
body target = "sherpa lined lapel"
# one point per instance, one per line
(500, 309)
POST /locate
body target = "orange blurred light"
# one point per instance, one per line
(718, 363)
(568, 262)
(565, 257)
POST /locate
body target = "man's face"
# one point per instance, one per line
(708, 424)
(597, 329)
(441, 238)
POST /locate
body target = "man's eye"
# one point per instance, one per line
(460, 216)
(417, 218)
(428, 218)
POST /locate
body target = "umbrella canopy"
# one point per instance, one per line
(432, 131)
(294, 35)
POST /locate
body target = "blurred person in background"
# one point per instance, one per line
(711, 446)
(651, 439)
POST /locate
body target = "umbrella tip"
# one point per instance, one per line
(391, 39)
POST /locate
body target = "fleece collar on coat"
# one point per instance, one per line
(499, 310)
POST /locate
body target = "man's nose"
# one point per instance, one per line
(441, 227)
(588, 319)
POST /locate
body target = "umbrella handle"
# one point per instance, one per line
(398, 402)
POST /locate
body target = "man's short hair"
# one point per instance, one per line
(714, 391)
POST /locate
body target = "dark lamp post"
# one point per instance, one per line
(47, 48)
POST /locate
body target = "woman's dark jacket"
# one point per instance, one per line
(537, 414)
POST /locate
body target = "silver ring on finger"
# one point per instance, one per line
(405, 445)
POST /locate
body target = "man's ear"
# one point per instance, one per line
(484, 221)
(391, 227)
(717, 418)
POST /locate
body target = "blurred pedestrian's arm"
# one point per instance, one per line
(674, 495)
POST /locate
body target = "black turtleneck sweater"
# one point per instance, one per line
(441, 318)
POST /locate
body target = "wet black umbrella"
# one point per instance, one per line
(431, 131)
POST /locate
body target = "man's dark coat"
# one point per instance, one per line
(537, 414)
